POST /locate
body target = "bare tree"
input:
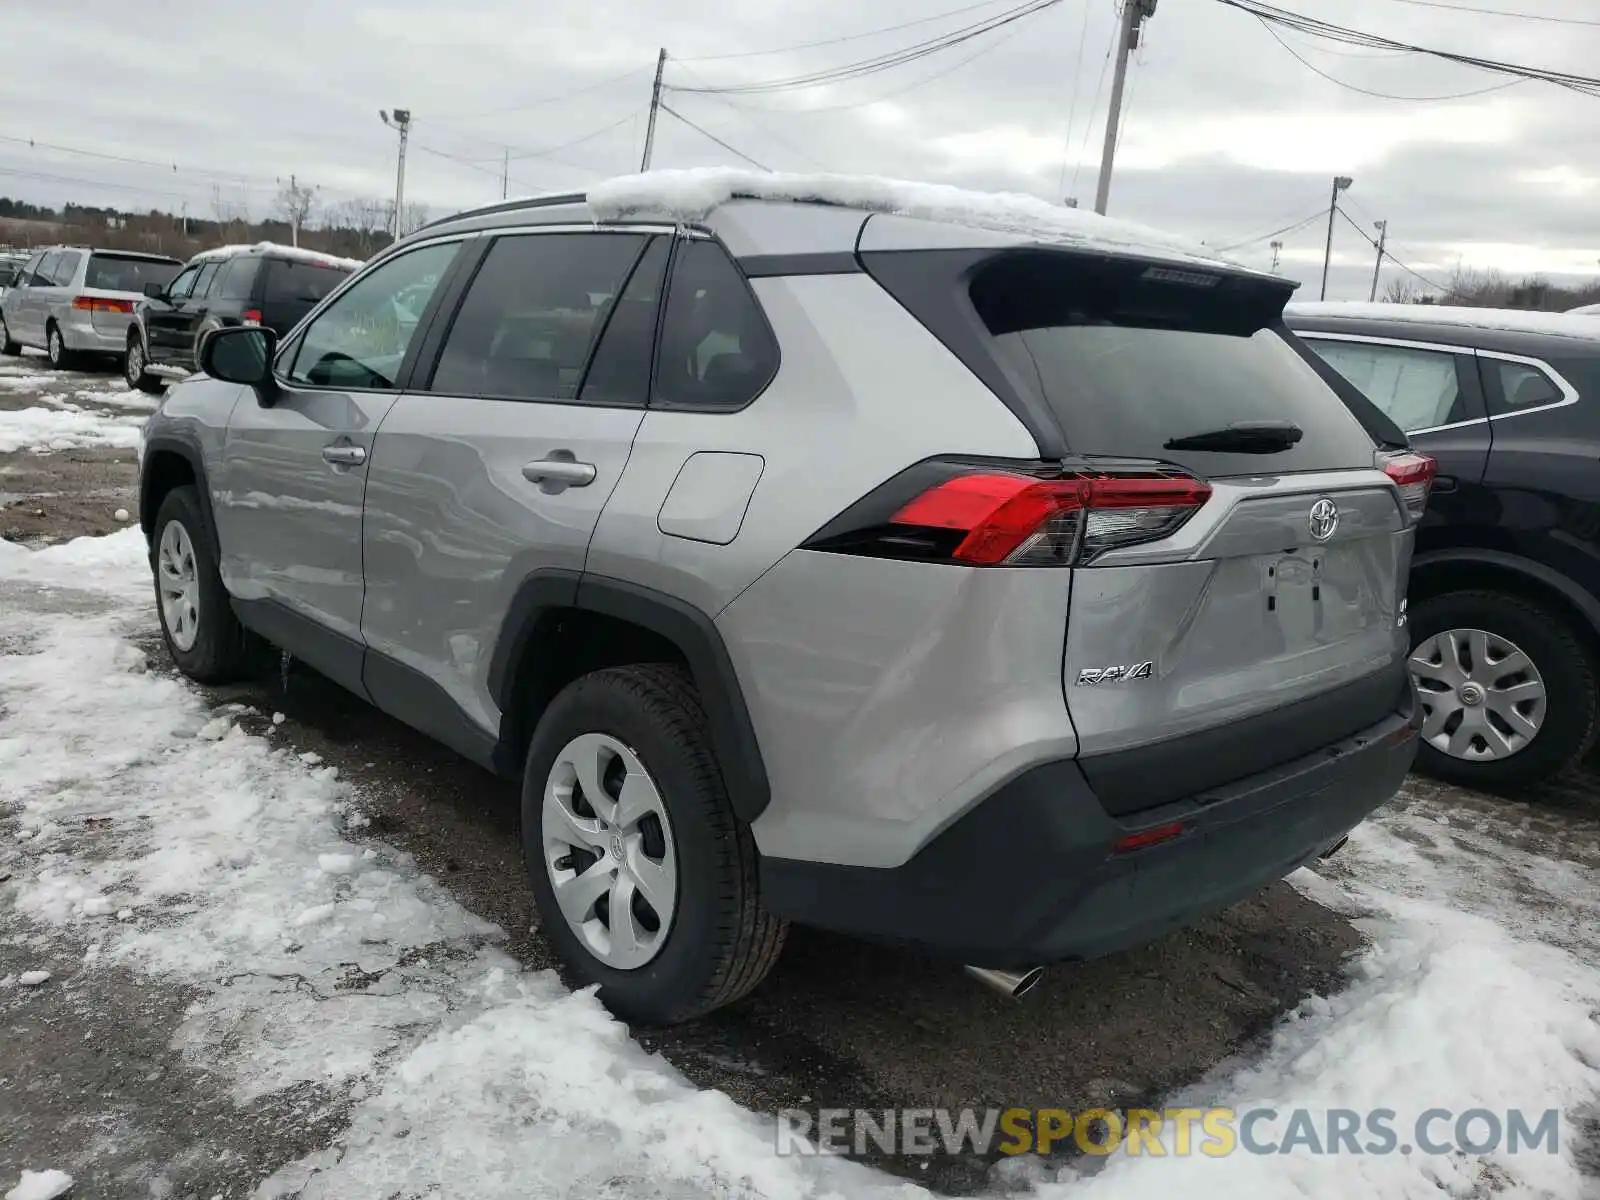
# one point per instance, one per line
(1402, 291)
(294, 205)
(363, 219)
(415, 216)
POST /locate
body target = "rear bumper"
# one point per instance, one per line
(81, 333)
(1029, 876)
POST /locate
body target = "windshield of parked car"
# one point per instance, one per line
(123, 273)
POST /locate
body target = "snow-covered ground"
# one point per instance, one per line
(50, 421)
(149, 832)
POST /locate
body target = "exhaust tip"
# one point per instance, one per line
(1012, 984)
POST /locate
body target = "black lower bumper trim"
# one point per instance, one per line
(1028, 875)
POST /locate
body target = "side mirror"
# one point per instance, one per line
(241, 354)
(155, 290)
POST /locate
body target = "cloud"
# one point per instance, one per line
(1227, 135)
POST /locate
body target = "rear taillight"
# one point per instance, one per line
(250, 316)
(94, 304)
(1413, 475)
(982, 516)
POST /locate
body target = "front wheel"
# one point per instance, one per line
(1507, 687)
(56, 349)
(644, 875)
(203, 636)
(133, 369)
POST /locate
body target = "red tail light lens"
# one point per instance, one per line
(989, 513)
(1413, 474)
(94, 304)
(250, 316)
(1154, 836)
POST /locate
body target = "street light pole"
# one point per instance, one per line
(1340, 183)
(1383, 240)
(401, 120)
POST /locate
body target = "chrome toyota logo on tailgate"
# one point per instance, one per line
(1324, 519)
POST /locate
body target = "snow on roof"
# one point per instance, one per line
(691, 195)
(1512, 320)
(295, 252)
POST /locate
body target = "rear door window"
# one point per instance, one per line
(122, 273)
(44, 273)
(1417, 389)
(65, 269)
(1132, 358)
(238, 281)
(203, 281)
(533, 311)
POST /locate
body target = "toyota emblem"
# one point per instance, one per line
(1324, 519)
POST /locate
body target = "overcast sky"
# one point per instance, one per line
(1226, 136)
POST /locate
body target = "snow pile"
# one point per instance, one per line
(18, 380)
(317, 961)
(41, 1185)
(299, 253)
(1509, 319)
(691, 195)
(120, 398)
(42, 430)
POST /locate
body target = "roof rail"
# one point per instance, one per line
(489, 210)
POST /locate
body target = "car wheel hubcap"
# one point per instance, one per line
(55, 346)
(135, 363)
(1482, 697)
(609, 852)
(178, 579)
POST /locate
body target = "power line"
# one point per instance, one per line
(1499, 12)
(849, 37)
(744, 116)
(1072, 111)
(1088, 127)
(1585, 84)
(707, 133)
(1298, 225)
(1367, 237)
(577, 141)
(1316, 70)
(883, 62)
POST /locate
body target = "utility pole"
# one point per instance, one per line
(505, 175)
(1134, 15)
(294, 211)
(1277, 251)
(1383, 240)
(401, 121)
(655, 105)
(1340, 183)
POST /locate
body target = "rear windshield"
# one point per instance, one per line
(1130, 359)
(116, 273)
(288, 279)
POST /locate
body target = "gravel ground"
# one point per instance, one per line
(838, 1023)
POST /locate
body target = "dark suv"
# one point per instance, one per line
(1505, 586)
(264, 284)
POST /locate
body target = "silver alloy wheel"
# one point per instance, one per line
(608, 850)
(1482, 697)
(56, 348)
(135, 367)
(179, 581)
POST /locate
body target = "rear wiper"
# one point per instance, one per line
(1243, 437)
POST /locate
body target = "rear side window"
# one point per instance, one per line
(1521, 386)
(238, 279)
(65, 268)
(304, 282)
(619, 373)
(119, 273)
(1416, 389)
(1131, 360)
(717, 351)
(533, 311)
(203, 281)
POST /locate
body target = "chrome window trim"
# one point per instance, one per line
(1563, 385)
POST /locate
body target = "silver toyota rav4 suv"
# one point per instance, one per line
(959, 573)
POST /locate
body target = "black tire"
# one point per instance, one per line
(220, 651)
(140, 378)
(56, 350)
(1565, 662)
(721, 943)
(7, 346)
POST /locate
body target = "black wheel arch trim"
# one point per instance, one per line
(188, 449)
(685, 626)
(1575, 594)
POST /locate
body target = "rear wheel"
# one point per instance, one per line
(644, 876)
(7, 346)
(56, 348)
(133, 368)
(1507, 687)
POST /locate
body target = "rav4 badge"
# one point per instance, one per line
(1090, 676)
